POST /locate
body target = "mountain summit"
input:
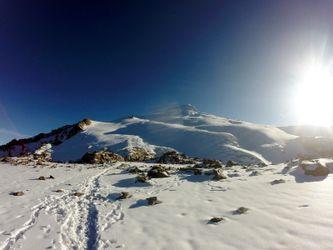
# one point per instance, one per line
(182, 128)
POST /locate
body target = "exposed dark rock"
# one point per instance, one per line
(124, 195)
(55, 137)
(142, 178)
(135, 170)
(100, 157)
(153, 201)
(230, 164)
(216, 220)
(51, 177)
(41, 178)
(254, 173)
(279, 181)
(208, 163)
(139, 154)
(59, 191)
(241, 210)
(218, 175)
(195, 170)
(78, 194)
(158, 172)
(18, 193)
(173, 157)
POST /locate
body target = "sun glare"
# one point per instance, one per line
(314, 104)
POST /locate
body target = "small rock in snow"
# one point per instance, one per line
(153, 201)
(241, 210)
(78, 194)
(279, 181)
(216, 220)
(41, 178)
(124, 195)
(18, 193)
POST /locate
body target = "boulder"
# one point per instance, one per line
(230, 164)
(208, 163)
(194, 170)
(174, 157)
(315, 169)
(158, 172)
(218, 175)
(153, 201)
(100, 157)
(139, 154)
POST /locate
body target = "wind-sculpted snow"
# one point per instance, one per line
(180, 128)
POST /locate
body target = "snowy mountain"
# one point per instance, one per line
(182, 128)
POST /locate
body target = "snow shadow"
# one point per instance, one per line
(139, 203)
(130, 182)
(196, 178)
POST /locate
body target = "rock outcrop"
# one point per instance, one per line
(100, 157)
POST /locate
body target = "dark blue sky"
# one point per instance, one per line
(61, 61)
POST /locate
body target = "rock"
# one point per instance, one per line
(18, 193)
(216, 220)
(254, 173)
(78, 194)
(135, 170)
(41, 178)
(207, 163)
(195, 170)
(218, 175)
(173, 157)
(279, 181)
(153, 201)
(124, 195)
(241, 210)
(142, 178)
(100, 157)
(230, 164)
(139, 154)
(51, 177)
(59, 191)
(315, 169)
(158, 172)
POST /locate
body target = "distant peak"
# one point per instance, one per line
(178, 110)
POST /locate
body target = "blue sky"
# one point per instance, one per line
(61, 62)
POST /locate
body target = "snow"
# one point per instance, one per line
(296, 214)
(184, 129)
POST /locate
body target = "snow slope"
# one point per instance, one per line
(296, 214)
(185, 129)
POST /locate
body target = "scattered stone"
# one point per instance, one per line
(315, 169)
(142, 178)
(254, 173)
(100, 157)
(18, 193)
(135, 170)
(218, 175)
(139, 154)
(41, 178)
(195, 170)
(279, 181)
(78, 194)
(241, 210)
(174, 157)
(59, 191)
(207, 163)
(158, 172)
(124, 195)
(153, 201)
(216, 220)
(51, 177)
(230, 164)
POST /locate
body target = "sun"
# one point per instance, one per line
(314, 102)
